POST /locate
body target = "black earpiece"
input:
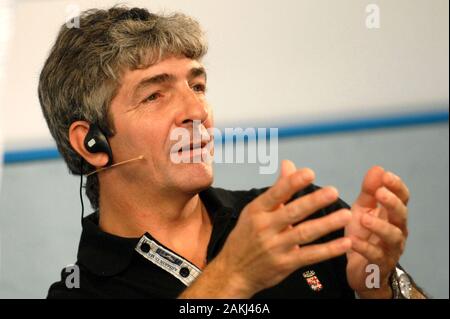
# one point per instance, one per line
(96, 142)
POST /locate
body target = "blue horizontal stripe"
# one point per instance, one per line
(31, 155)
(363, 124)
(289, 131)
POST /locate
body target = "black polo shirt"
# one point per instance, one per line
(116, 267)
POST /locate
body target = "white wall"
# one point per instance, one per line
(270, 62)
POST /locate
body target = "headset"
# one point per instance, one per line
(95, 141)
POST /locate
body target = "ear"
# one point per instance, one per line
(77, 133)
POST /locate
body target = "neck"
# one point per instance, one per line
(169, 216)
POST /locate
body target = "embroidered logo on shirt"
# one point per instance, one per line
(312, 280)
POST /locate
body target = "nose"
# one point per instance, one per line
(193, 108)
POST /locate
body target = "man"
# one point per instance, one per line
(112, 92)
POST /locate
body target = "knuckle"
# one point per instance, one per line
(276, 194)
(397, 242)
(301, 236)
(291, 213)
(292, 179)
(378, 255)
(398, 235)
(396, 203)
(365, 246)
(258, 224)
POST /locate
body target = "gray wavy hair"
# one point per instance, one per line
(82, 74)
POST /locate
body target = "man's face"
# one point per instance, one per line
(149, 105)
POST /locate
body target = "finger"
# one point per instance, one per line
(314, 254)
(397, 211)
(396, 185)
(372, 181)
(304, 206)
(287, 168)
(309, 231)
(374, 254)
(391, 235)
(283, 190)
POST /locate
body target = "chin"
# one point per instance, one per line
(195, 177)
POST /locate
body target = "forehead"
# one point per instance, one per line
(177, 66)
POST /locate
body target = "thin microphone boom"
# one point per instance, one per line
(115, 165)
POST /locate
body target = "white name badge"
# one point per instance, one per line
(176, 265)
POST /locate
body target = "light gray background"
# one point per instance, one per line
(40, 209)
(321, 63)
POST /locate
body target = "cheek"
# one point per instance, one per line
(152, 138)
(144, 133)
(129, 138)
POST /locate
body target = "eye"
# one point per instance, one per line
(201, 88)
(152, 97)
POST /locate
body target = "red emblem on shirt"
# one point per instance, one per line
(312, 280)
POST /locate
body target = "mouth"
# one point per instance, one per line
(193, 148)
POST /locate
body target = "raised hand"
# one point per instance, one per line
(264, 247)
(378, 231)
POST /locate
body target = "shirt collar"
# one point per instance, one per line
(102, 253)
(105, 254)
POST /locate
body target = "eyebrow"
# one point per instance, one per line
(167, 78)
(197, 72)
(156, 79)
